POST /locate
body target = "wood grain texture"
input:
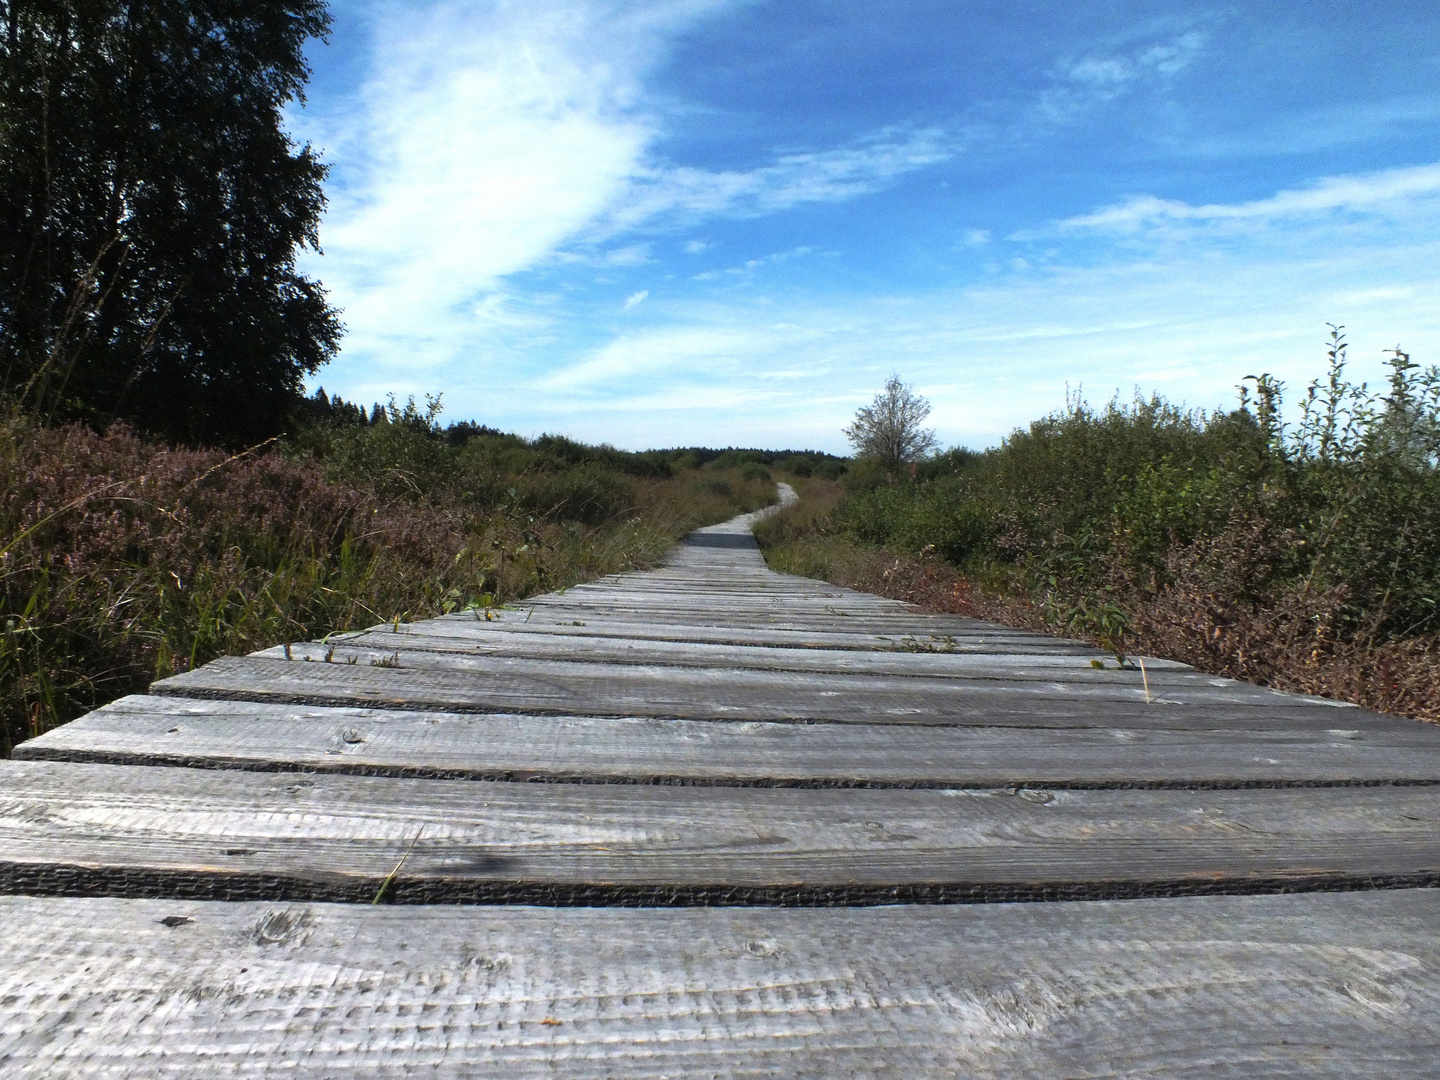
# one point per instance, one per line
(575, 749)
(713, 742)
(114, 830)
(1320, 986)
(839, 636)
(738, 694)
(423, 650)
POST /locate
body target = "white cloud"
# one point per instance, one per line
(833, 175)
(747, 269)
(485, 137)
(1380, 192)
(631, 255)
(677, 352)
(636, 298)
(1077, 85)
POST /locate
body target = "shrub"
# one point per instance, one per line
(1231, 539)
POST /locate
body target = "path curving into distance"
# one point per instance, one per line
(590, 820)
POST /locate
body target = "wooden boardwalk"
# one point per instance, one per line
(712, 821)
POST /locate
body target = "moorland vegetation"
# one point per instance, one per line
(124, 559)
(1303, 556)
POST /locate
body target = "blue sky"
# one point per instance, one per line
(684, 222)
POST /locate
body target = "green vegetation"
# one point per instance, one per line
(1305, 557)
(889, 431)
(803, 463)
(123, 560)
(151, 207)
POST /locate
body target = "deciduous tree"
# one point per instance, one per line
(890, 430)
(151, 209)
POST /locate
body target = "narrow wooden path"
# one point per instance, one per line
(714, 821)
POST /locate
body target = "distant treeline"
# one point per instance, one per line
(326, 411)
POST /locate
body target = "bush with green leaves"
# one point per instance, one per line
(1091, 506)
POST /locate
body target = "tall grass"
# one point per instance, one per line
(123, 560)
(1303, 556)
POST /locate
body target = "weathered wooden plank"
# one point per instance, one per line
(1325, 986)
(573, 647)
(819, 615)
(647, 596)
(116, 830)
(889, 673)
(1000, 640)
(722, 617)
(226, 734)
(521, 620)
(640, 690)
(653, 583)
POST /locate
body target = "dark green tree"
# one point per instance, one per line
(151, 209)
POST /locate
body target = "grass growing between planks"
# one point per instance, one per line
(122, 561)
(1305, 558)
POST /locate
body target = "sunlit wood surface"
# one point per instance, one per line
(714, 821)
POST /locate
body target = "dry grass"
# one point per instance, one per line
(122, 561)
(1289, 645)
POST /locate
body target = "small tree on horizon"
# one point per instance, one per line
(889, 429)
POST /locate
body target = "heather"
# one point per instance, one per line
(1301, 555)
(123, 560)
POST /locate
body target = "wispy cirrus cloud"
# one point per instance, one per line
(1308, 130)
(491, 138)
(791, 178)
(1388, 191)
(1079, 84)
(749, 266)
(704, 352)
(485, 136)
